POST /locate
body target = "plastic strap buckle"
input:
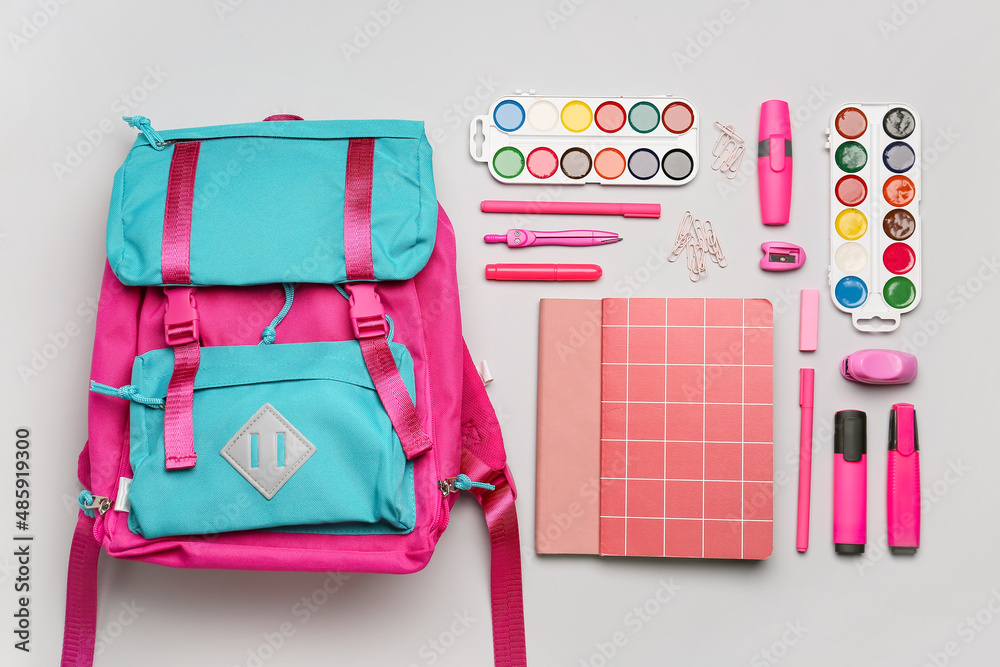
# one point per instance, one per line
(180, 321)
(367, 313)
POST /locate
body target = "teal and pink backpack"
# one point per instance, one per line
(279, 342)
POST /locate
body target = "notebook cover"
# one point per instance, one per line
(686, 435)
(568, 469)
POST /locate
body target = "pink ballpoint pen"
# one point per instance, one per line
(519, 238)
(807, 378)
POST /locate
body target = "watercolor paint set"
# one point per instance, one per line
(576, 140)
(875, 223)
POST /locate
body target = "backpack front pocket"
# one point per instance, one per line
(287, 436)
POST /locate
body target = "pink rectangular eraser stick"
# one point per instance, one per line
(808, 320)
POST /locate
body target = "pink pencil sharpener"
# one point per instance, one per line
(879, 367)
(781, 256)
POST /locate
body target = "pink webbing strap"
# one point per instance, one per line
(180, 317)
(178, 412)
(358, 209)
(395, 399)
(367, 313)
(176, 258)
(484, 460)
(80, 629)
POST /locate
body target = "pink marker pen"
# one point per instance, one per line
(903, 488)
(807, 382)
(850, 481)
(774, 162)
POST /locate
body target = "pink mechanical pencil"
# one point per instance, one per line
(850, 481)
(774, 162)
(807, 379)
(903, 488)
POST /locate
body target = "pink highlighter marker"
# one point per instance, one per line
(543, 272)
(850, 481)
(807, 380)
(774, 162)
(903, 488)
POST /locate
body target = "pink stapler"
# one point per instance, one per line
(879, 367)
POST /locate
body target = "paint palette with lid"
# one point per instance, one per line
(575, 140)
(875, 222)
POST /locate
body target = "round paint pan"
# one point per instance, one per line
(899, 292)
(678, 164)
(851, 292)
(643, 163)
(576, 163)
(899, 190)
(543, 116)
(508, 116)
(576, 116)
(851, 156)
(851, 190)
(609, 163)
(508, 162)
(899, 224)
(899, 258)
(851, 224)
(899, 123)
(542, 162)
(851, 123)
(851, 258)
(678, 117)
(898, 157)
(610, 117)
(644, 117)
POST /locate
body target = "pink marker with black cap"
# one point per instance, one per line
(850, 481)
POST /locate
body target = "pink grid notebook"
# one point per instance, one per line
(686, 434)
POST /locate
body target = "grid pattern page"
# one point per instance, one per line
(686, 428)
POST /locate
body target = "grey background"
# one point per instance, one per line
(232, 61)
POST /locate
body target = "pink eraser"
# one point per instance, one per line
(808, 320)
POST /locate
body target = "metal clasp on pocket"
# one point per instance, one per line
(367, 313)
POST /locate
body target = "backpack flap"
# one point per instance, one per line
(267, 202)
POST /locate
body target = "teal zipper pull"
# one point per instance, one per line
(141, 123)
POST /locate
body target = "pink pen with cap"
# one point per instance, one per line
(903, 481)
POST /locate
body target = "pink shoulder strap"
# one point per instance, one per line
(80, 628)
(484, 460)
